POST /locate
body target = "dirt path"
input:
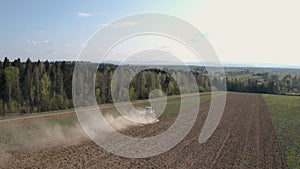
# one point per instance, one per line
(245, 138)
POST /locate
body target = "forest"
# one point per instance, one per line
(30, 87)
(271, 82)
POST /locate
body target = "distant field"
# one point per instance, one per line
(285, 112)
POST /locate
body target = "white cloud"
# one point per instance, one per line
(122, 24)
(82, 45)
(83, 14)
(47, 42)
(32, 42)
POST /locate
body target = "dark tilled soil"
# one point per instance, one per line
(245, 138)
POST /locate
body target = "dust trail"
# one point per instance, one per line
(37, 135)
(41, 133)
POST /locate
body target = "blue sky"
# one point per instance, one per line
(241, 31)
(41, 29)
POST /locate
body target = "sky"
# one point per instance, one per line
(257, 32)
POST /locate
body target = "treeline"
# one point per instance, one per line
(288, 84)
(27, 87)
(34, 86)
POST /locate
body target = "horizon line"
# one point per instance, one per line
(189, 63)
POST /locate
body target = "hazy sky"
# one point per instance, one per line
(241, 31)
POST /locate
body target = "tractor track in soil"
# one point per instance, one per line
(245, 138)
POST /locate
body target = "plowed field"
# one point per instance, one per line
(245, 138)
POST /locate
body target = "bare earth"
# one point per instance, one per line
(245, 138)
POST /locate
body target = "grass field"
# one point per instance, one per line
(285, 112)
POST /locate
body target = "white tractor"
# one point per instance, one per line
(150, 115)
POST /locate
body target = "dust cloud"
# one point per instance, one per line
(40, 133)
